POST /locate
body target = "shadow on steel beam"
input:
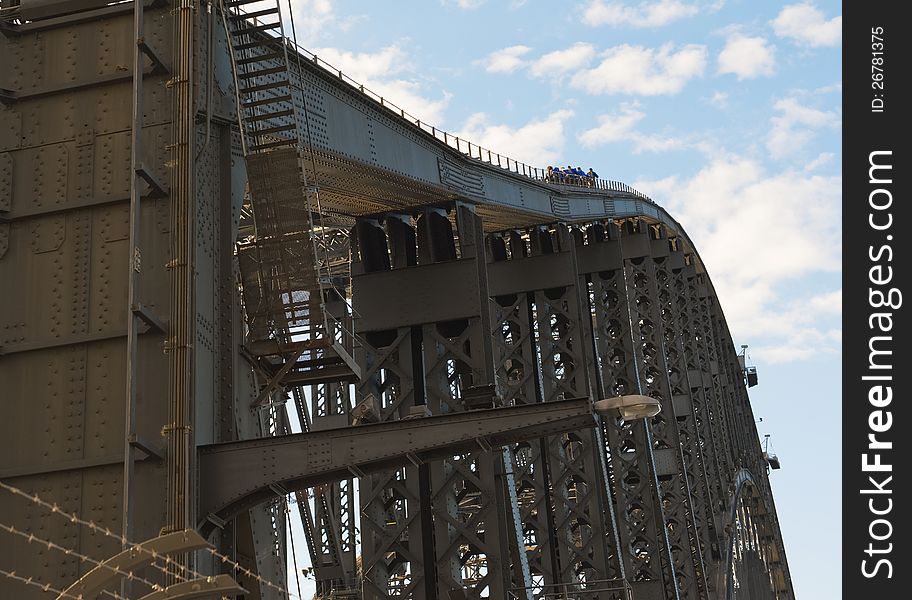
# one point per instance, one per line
(237, 476)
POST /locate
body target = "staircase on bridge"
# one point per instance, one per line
(292, 267)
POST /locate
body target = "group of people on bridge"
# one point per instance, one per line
(571, 176)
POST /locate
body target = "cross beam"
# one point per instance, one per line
(235, 476)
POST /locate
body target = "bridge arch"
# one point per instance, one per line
(596, 291)
(753, 566)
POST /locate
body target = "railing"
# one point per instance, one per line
(619, 590)
(465, 147)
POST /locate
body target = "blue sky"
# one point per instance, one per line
(725, 112)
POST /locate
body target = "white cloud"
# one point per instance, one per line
(365, 66)
(747, 57)
(824, 158)
(385, 73)
(314, 20)
(804, 343)
(719, 99)
(805, 23)
(613, 128)
(505, 60)
(465, 4)
(793, 128)
(560, 62)
(829, 89)
(620, 127)
(830, 303)
(803, 327)
(535, 143)
(637, 70)
(655, 143)
(645, 14)
(757, 233)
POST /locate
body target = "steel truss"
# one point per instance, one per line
(657, 492)
(460, 301)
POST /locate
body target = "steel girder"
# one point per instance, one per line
(645, 547)
(646, 309)
(657, 331)
(432, 528)
(237, 475)
(542, 339)
(333, 548)
(654, 329)
(698, 428)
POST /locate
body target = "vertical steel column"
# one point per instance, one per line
(585, 242)
(228, 297)
(732, 423)
(733, 382)
(717, 413)
(710, 489)
(641, 529)
(543, 344)
(649, 348)
(391, 530)
(135, 268)
(180, 342)
(433, 529)
(304, 510)
(578, 492)
(301, 497)
(745, 428)
(334, 553)
(469, 492)
(673, 318)
(716, 404)
(519, 382)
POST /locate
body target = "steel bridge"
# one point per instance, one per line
(235, 284)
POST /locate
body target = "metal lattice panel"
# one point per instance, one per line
(517, 374)
(542, 358)
(640, 515)
(670, 292)
(695, 430)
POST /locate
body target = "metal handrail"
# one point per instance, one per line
(571, 591)
(462, 146)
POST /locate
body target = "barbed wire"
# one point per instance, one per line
(46, 587)
(32, 538)
(73, 518)
(249, 573)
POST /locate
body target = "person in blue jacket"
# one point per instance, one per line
(591, 176)
(582, 179)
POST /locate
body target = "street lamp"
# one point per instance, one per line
(629, 408)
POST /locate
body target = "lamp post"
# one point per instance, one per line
(629, 408)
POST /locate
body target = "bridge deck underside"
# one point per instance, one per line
(351, 189)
